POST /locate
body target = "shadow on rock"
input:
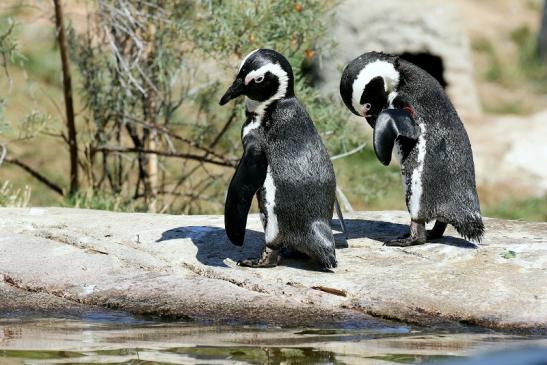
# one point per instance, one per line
(339, 238)
(213, 245)
(382, 231)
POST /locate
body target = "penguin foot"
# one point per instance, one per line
(431, 234)
(417, 236)
(269, 258)
(405, 242)
(437, 231)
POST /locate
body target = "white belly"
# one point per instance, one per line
(272, 229)
(416, 188)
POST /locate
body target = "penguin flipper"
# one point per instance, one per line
(391, 125)
(248, 178)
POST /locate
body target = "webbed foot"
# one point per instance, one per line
(416, 237)
(269, 258)
(431, 234)
(437, 231)
(405, 242)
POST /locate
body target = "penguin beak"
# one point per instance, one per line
(233, 91)
(370, 120)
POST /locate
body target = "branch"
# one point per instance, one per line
(189, 156)
(67, 89)
(3, 154)
(5, 54)
(224, 128)
(344, 200)
(346, 154)
(44, 180)
(191, 143)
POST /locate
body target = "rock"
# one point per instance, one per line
(184, 267)
(510, 153)
(429, 28)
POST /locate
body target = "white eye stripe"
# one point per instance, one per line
(273, 68)
(282, 77)
(377, 68)
(246, 58)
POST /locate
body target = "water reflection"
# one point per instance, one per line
(111, 339)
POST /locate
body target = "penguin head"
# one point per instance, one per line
(264, 76)
(367, 82)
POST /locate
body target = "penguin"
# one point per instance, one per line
(284, 163)
(409, 111)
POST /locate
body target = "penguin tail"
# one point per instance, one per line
(320, 246)
(471, 227)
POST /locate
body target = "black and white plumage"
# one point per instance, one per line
(284, 162)
(408, 109)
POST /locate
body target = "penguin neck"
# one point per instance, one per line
(259, 108)
(257, 114)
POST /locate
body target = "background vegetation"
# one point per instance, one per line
(151, 135)
(147, 77)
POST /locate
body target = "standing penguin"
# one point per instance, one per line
(284, 162)
(408, 109)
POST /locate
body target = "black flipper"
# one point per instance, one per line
(248, 178)
(391, 125)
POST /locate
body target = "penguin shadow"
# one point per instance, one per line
(213, 246)
(340, 240)
(383, 231)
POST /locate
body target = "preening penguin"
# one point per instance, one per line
(409, 110)
(284, 162)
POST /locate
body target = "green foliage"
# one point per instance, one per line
(9, 52)
(508, 254)
(13, 197)
(494, 70)
(234, 28)
(152, 77)
(34, 123)
(227, 31)
(9, 49)
(528, 68)
(531, 209)
(368, 184)
(99, 201)
(4, 126)
(532, 68)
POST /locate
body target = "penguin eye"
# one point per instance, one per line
(367, 106)
(259, 79)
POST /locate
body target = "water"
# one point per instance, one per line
(118, 338)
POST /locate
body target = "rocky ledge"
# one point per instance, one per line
(55, 259)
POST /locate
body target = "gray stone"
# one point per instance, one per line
(425, 26)
(183, 267)
(510, 153)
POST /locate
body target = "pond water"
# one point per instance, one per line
(107, 338)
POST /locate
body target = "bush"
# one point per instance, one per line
(152, 75)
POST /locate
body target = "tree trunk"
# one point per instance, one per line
(151, 114)
(542, 37)
(69, 105)
(153, 172)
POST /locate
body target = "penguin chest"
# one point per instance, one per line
(412, 172)
(269, 191)
(252, 125)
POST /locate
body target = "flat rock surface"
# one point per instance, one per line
(184, 267)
